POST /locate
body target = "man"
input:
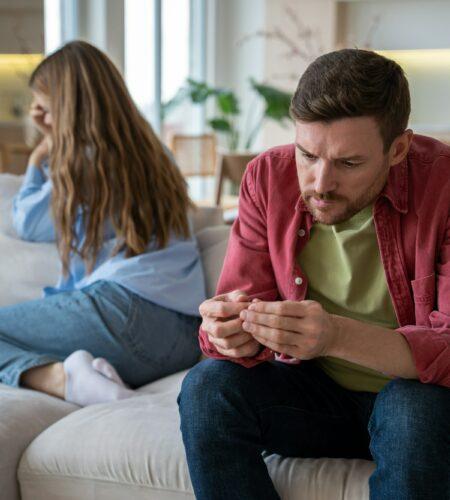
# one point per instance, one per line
(330, 335)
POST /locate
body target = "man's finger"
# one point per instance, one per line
(231, 342)
(271, 334)
(276, 347)
(219, 309)
(221, 330)
(230, 296)
(287, 323)
(248, 349)
(235, 296)
(282, 308)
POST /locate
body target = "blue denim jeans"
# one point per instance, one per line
(231, 415)
(143, 341)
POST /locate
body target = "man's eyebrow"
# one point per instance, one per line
(303, 150)
(352, 157)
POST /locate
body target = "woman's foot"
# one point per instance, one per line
(49, 378)
(86, 384)
(107, 369)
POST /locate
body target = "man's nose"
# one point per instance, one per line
(325, 180)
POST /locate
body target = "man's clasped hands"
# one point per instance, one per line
(240, 327)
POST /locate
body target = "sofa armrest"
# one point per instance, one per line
(213, 242)
(203, 217)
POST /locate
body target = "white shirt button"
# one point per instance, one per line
(298, 280)
(301, 232)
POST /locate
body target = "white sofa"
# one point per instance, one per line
(52, 450)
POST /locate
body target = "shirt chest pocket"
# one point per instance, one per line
(424, 293)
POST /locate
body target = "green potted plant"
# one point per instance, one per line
(226, 121)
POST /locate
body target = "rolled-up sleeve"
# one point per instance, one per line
(247, 264)
(430, 346)
(31, 215)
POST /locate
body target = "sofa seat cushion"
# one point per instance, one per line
(23, 415)
(133, 449)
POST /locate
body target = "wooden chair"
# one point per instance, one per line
(194, 154)
(14, 157)
(230, 166)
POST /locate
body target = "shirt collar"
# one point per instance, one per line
(396, 188)
(301, 205)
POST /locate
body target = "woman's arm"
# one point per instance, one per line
(31, 208)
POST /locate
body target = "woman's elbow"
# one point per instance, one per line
(22, 227)
(28, 230)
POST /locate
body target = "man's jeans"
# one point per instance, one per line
(231, 414)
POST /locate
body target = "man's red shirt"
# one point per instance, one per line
(412, 222)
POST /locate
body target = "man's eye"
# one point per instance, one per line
(350, 164)
(308, 156)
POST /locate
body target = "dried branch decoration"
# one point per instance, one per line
(306, 45)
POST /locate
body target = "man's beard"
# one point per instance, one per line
(330, 216)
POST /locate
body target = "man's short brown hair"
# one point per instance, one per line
(351, 83)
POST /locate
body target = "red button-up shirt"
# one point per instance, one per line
(412, 222)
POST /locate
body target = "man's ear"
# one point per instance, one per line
(400, 147)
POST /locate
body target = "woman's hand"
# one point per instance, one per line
(41, 118)
(40, 114)
(41, 152)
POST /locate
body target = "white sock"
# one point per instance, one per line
(86, 386)
(107, 369)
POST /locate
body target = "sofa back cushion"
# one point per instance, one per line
(212, 242)
(24, 267)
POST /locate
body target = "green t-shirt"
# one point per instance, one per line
(346, 275)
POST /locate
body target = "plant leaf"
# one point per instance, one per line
(227, 102)
(220, 124)
(199, 91)
(171, 104)
(277, 101)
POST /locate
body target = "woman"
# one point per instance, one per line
(102, 185)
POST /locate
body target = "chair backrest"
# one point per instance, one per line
(194, 154)
(14, 157)
(232, 167)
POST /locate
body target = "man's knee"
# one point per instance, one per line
(408, 412)
(206, 381)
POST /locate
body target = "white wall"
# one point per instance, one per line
(233, 63)
(21, 26)
(283, 67)
(377, 24)
(402, 24)
(408, 24)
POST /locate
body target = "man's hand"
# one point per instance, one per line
(303, 330)
(223, 325)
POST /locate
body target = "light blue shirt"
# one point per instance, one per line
(171, 277)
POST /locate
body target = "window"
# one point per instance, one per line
(142, 61)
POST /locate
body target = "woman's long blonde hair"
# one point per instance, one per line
(105, 160)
